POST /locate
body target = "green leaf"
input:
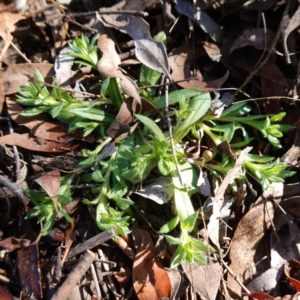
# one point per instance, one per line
(93, 114)
(114, 93)
(169, 226)
(198, 106)
(189, 223)
(152, 126)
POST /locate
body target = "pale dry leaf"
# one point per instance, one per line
(151, 53)
(210, 275)
(249, 232)
(7, 25)
(212, 50)
(218, 201)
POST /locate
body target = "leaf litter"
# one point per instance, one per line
(212, 223)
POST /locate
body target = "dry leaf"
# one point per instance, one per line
(218, 201)
(7, 21)
(14, 76)
(213, 51)
(35, 144)
(50, 182)
(256, 37)
(5, 295)
(273, 83)
(180, 61)
(291, 271)
(210, 275)
(249, 232)
(2, 98)
(151, 53)
(150, 280)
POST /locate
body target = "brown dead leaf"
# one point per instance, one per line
(291, 270)
(70, 238)
(125, 116)
(292, 205)
(150, 280)
(5, 295)
(12, 243)
(151, 53)
(255, 37)
(109, 67)
(249, 232)
(35, 144)
(50, 182)
(210, 275)
(180, 61)
(14, 76)
(7, 25)
(42, 126)
(273, 83)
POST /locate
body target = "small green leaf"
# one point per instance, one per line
(170, 226)
(189, 223)
(152, 126)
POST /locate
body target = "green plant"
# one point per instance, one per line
(46, 209)
(115, 167)
(85, 51)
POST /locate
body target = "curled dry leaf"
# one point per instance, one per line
(180, 61)
(14, 76)
(291, 270)
(213, 51)
(249, 232)
(151, 53)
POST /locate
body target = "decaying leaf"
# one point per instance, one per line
(254, 224)
(210, 275)
(14, 76)
(291, 270)
(150, 280)
(180, 61)
(213, 51)
(35, 144)
(7, 21)
(151, 53)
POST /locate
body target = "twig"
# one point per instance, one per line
(109, 12)
(74, 277)
(96, 282)
(235, 277)
(22, 54)
(93, 242)
(12, 187)
(15, 149)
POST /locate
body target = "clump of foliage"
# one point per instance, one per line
(115, 168)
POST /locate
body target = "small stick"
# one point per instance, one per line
(93, 242)
(74, 277)
(109, 12)
(5, 182)
(96, 282)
